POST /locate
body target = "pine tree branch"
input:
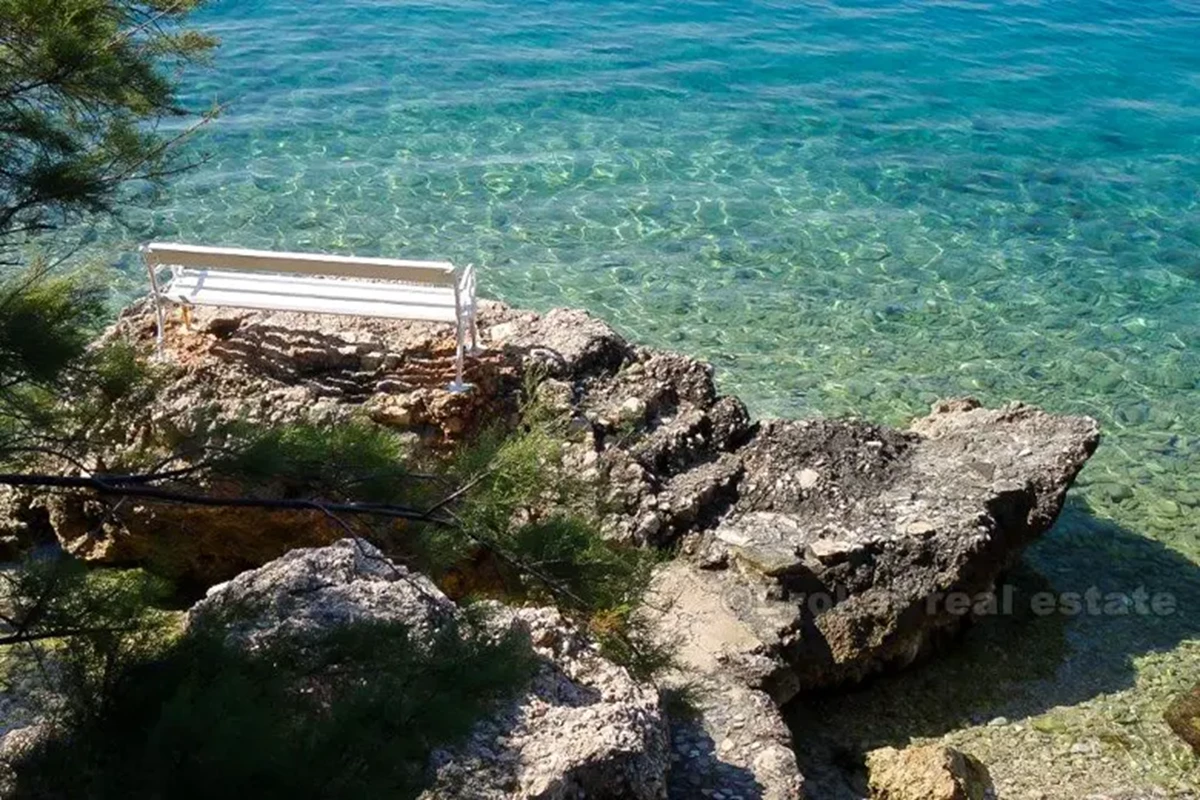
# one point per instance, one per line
(114, 486)
(62, 633)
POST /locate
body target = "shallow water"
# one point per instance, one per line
(849, 207)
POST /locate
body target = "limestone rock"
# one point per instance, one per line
(198, 545)
(861, 559)
(1183, 715)
(734, 741)
(850, 532)
(318, 589)
(15, 745)
(582, 728)
(568, 343)
(930, 772)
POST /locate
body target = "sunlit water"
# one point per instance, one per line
(848, 207)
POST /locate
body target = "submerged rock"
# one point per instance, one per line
(582, 728)
(929, 772)
(1183, 715)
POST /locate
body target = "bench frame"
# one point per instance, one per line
(198, 263)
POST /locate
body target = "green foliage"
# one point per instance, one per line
(91, 624)
(545, 525)
(349, 460)
(82, 84)
(626, 638)
(352, 712)
(511, 523)
(119, 370)
(682, 702)
(570, 552)
(45, 324)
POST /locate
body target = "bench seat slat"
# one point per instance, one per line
(179, 255)
(333, 296)
(337, 288)
(212, 277)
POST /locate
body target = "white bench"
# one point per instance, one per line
(435, 291)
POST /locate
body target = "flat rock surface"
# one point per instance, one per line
(734, 742)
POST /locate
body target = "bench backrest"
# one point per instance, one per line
(435, 273)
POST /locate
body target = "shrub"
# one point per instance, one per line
(353, 712)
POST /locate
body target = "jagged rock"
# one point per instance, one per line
(862, 555)
(929, 772)
(319, 589)
(567, 343)
(1183, 715)
(583, 728)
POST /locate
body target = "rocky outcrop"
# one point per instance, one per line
(846, 549)
(582, 728)
(850, 547)
(812, 553)
(316, 590)
(929, 772)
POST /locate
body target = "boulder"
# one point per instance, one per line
(15, 745)
(582, 728)
(868, 542)
(318, 589)
(565, 343)
(929, 772)
(1183, 716)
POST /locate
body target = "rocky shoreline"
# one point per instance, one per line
(809, 554)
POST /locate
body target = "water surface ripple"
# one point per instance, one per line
(848, 206)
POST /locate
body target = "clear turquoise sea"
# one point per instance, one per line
(848, 206)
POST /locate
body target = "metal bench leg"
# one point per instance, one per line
(158, 309)
(458, 386)
(160, 332)
(476, 347)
